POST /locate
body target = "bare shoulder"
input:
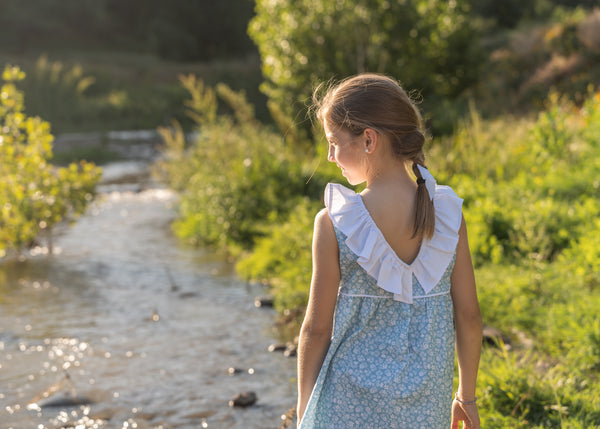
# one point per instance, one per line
(323, 216)
(323, 223)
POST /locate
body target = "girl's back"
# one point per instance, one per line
(392, 208)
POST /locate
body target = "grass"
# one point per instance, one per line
(121, 90)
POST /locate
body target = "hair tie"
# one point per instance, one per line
(420, 180)
(430, 182)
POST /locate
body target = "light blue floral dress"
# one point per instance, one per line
(391, 359)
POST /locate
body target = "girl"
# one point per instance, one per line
(393, 283)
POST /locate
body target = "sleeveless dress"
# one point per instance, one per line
(390, 363)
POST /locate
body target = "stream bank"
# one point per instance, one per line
(141, 328)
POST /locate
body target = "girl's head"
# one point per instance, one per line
(376, 102)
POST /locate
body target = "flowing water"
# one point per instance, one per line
(128, 329)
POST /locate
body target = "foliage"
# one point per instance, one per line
(511, 13)
(506, 13)
(35, 195)
(520, 390)
(238, 176)
(98, 154)
(73, 100)
(282, 259)
(112, 91)
(59, 91)
(39, 22)
(530, 188)
(430, 45)
(534, 59)
(531, 204)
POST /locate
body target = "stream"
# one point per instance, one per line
(124, 327)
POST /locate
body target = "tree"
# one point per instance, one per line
(430, 45)
(34, 194)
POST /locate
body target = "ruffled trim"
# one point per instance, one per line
(349, 214)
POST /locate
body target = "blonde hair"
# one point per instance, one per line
(379, 102)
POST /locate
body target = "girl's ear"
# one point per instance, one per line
(370, 139)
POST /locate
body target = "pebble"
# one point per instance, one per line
(291, 351)
(244, 399)
(234, 371)
(277, 347)
(263, 301)
(63, 400)
(288, 349)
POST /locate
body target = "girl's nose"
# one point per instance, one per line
(330, 156)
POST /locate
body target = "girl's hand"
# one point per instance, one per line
(467, 413)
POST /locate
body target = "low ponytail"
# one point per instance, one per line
(424, 209)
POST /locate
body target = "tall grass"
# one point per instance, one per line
(99, 91)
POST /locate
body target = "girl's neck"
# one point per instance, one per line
(390, 172)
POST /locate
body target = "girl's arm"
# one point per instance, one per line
(316, 330)
(467, 320)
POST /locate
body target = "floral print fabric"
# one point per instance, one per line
(390, 363)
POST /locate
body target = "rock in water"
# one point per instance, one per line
(277, 347)
(233, 371)
(244, 399)
(63, 400)
(291, 350)
(263, 301)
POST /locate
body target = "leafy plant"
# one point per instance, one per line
(282, 259)
(429, 45)
(238, 176)
(35, 195)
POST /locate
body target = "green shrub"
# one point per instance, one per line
(430, 45)
(282, 259)
(237, 178)
(35, 195)
(582, 260)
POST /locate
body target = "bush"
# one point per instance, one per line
(429, 45)
(35, 194)
(237, 178)
(282, 259)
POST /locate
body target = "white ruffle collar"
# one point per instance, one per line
(349, 214)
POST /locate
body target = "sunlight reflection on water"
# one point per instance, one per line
(131, 329)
